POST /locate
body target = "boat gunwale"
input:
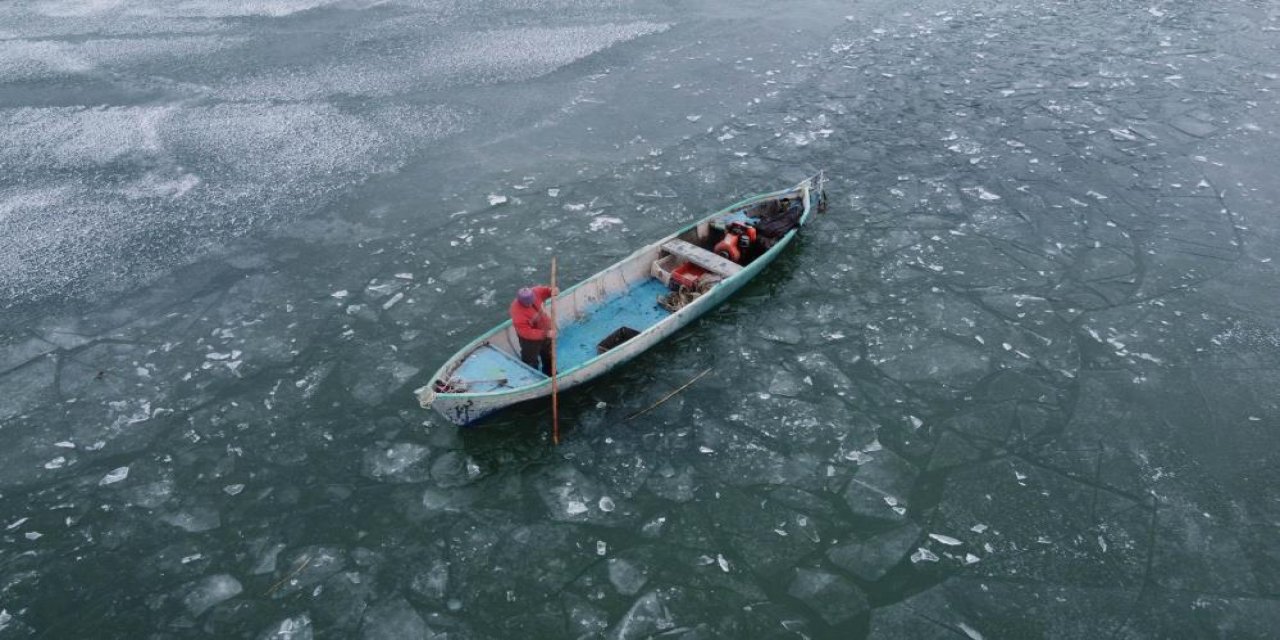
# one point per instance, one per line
(466, 350)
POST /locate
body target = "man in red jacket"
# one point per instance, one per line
(533, 326)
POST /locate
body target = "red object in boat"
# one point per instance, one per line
(737, 239)
(687, 276)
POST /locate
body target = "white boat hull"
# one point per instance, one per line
(467, 408)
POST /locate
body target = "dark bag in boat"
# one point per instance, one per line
(772, 228)
(616, 338)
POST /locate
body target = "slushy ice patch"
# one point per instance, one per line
(172, 181)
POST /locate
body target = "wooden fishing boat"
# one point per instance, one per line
(620, 312)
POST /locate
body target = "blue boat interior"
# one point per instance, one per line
(692, 262)
(636, 307)
(491, 369)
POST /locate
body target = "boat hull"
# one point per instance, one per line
(466, 409)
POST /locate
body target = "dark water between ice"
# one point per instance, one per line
(1019, 382)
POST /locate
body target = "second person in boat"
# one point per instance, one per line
(533, 326)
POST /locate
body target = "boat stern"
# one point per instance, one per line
(426, 396)
(459, 409)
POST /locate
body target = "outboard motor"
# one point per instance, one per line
(738, 238)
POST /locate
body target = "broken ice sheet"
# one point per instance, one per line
(194, 520)
(857, 457)
(392, 620)
(398, 462)
(835, 599)
(980, 193)
(627, 577)
(600, 223)
(454, 469)
(571, 496)
(374, 378)
(647, 617)
(870, 559)
(293, 628)
(874, 489)
(210, 592)
(149, 495)
(678, 486)
(114, 476)
(306, 568)
(787, 384)
(923, 555)
(969, 631)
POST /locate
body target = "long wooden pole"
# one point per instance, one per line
(555, 400)
(669, 395)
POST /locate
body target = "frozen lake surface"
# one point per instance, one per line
(1019, 382)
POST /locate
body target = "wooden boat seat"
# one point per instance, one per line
(701, 257)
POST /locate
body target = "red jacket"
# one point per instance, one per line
(530, 322)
